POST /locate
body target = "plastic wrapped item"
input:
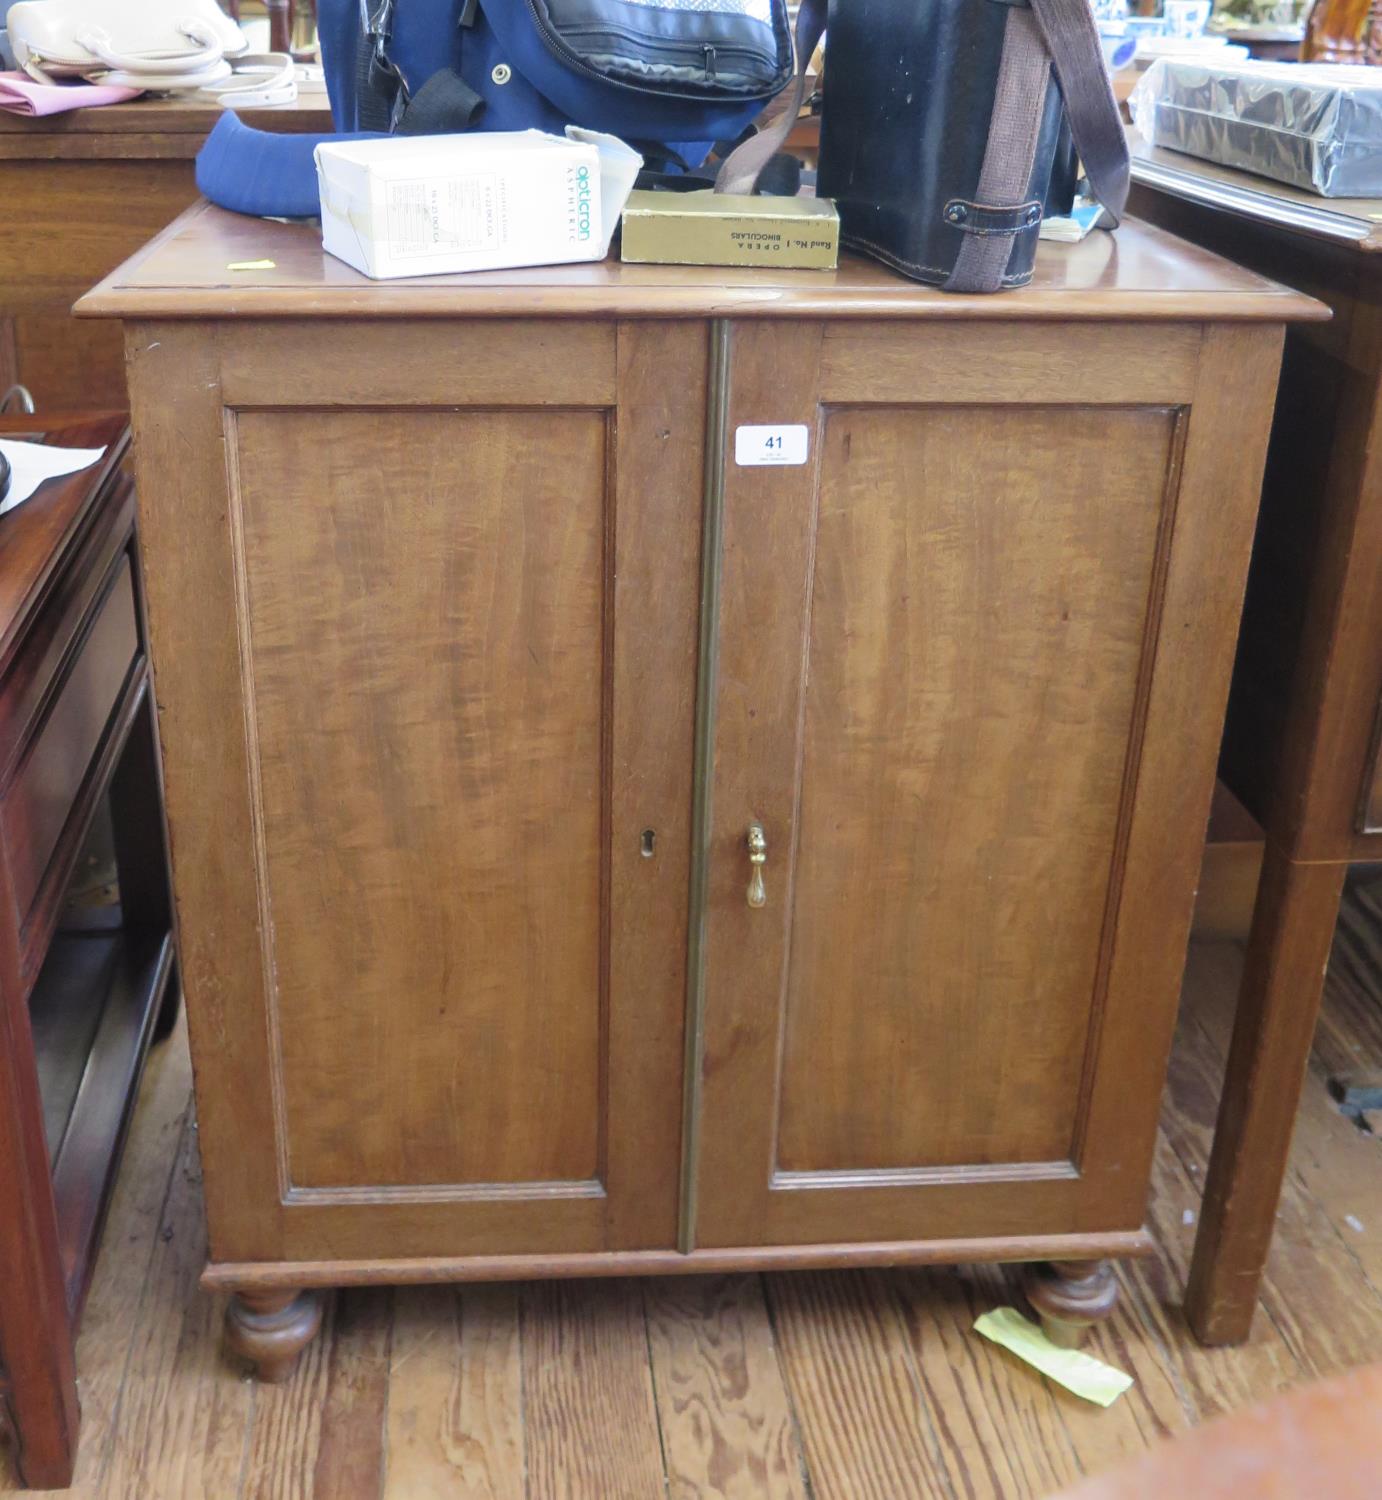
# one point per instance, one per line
(1314, 126)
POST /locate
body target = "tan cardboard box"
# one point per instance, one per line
(721, 229)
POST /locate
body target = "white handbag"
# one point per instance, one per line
(152, 44)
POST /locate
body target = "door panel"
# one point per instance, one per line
(972, 666)
(937, 653)
(436, 844)
(428, 711)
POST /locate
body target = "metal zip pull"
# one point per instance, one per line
(709, 61)
(378, 28)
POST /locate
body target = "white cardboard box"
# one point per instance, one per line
(423, 205)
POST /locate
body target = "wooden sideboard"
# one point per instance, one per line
(1301, 742)
(82, 191)
(488, 663)
(86, 974)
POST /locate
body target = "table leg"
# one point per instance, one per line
(36, 1341)
(1283, 978)
(280, 24)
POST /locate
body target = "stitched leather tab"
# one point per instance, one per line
(990, 218)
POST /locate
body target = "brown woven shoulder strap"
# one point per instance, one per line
(1072, 39)
(1059, 34)
(740, 170)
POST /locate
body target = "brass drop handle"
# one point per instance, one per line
(757, 841)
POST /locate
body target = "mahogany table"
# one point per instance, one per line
(1301, 738)
(86, 969)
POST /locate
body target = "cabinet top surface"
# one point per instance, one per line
(1138, 273)
(1348, 221)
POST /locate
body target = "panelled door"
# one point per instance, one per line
(972, 657)
(433, 873)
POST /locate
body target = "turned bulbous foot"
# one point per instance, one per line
(270, 1329)
(1070, 1296)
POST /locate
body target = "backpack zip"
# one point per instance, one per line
(563, 53)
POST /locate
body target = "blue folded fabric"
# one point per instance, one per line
(261, 171)
(272, 174)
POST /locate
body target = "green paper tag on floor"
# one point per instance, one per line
(1075, 1370)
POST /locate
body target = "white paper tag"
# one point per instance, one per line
(769, 445)
(33, 463)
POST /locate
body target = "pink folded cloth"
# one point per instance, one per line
(20, 95)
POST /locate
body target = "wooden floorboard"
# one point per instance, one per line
(999, 1431)
(816, 1386)
(118, 1293)
(454, 1422)
(867, 1430)
(1209, 1381)
(351, 1453)
(186, 1412)
(280, 1458)
(728, 1431)
(590, 1424)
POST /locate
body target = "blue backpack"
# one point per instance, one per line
(671, 77)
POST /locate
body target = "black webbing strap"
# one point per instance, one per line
(446, 103)
(378, 84)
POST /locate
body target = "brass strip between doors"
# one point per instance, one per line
(707, 672)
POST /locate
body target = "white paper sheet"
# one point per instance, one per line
(32, 463)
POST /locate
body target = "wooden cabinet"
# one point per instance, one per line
(486, 666)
